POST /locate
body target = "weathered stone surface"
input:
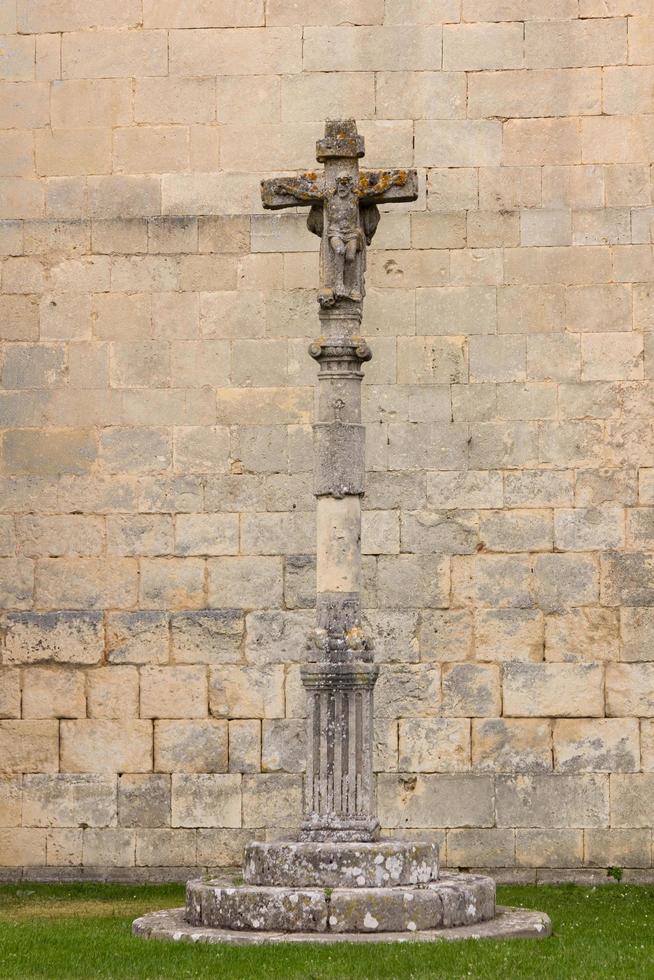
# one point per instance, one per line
(597, 745)
(206, 800)
(174, 692)
(53, 693)
(138, 638)
(406, 800)
(434, 744)
(247, 692)
(101, 745)
(29, 746)
(552, 801)
(190, 746)
(171, 925)
(567, 690)
(143, 800)
(60, 800)
(511, 745)
(304, 864)
(256, 907)
(209, 636)
(58, 637)
(113, 692)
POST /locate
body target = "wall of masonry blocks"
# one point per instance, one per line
(157, 525)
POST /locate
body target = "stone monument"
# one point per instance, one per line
(339, 880)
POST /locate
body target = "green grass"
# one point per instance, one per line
(83, 931)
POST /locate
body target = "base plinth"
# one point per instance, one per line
(508, 923)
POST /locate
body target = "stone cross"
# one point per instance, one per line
(340, 676)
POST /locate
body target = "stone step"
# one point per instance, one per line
(304, 864)
(453, 900)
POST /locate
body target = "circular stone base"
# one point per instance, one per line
(509, 923)
(305, 864)
(452, 900)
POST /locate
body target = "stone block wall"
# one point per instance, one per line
(157, 525)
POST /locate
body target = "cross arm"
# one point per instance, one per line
(387, 186)
(292, 192)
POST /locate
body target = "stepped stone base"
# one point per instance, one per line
(454, 900)
(318, 891)
(507, 923)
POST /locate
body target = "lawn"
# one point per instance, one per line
(83, 931)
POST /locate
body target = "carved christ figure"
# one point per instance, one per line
(344, 213)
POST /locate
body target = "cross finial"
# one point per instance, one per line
(344, 211)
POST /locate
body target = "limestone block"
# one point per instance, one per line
(552, 801)
(577, 264)
(137, 637)
(606, 486)
(445, 635)
(499, 10)
(9, 692)
(394, 634)
(113, 692)
(492, 580)
(514, 746)
(20, 318)
(486, 848)
(600, 745)
(502, 189)
(458, 143)
(631, 799)
(209, 636)
(21, 847)
(636, 633)
(22, 198)
(272, 800)
(206, 800)
(508, 634)
(64, 847)
(201, 449)
(556, 689)
(471, 690)
(64, 800)
(140, 535)
(534, 93)
(48, 454)
(435, 800)
(29, 746)
(546, 227)
(423, 360)
(277, 636)
(118, 196)
(86, 583)
(508, 444)
(530, 309)
(575, 43)
(434, 532)
(143, 800)
(625, 579)
(273, 50)
(53, 693)
(598, 399)
(108, 848)
(132, 450)
(549, 848)
(174, 692)
(647, 745)
(245, 745)
(561, 581)
(582, 634)
(470, 489)
(447, 189)
(474, 47)
(316, 96)
(165, 848)
(113, 54)
(515, 530)
(222, 848)
(300, 575)
(625, 184)
(630, 690)
(206, 534)
(150, 149)
(37, 366)
(401, 48)
(420, 445)
(380, 533)
(617, 848)
(172, 583)
(247, 692)
(434, 745)
(112, 311)
(190, 746)
(108, 746)
(310, 12)
(273, 534)
(420, 95)
(68, 637)
(414, 580)
(412, 690)
(283, 745)
(627, 362)
(392, 490)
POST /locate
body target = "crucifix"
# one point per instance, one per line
(340, 676)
